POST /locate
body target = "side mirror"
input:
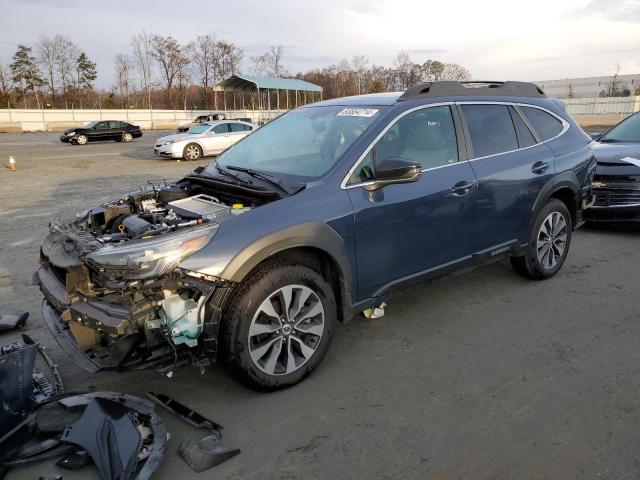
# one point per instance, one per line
(395, 170)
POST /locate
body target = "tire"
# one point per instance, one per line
(82, 140)
(266, 353)
(545, 255)
(192, 151)
(127, 137)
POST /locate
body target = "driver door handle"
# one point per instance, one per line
(460, 189)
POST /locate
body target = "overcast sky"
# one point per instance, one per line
(495, 40)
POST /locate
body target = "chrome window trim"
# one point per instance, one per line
(565, 127)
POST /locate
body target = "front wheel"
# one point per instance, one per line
(81, 139)
(278, 326)
(192, 151)
(549, 243)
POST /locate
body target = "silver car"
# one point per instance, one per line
(209, 138)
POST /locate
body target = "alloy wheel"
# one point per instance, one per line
(286, 330)
(552, 240)
(82, 139)
(192, 152)
(127, 137)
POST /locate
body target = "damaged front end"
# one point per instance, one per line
(115, 295)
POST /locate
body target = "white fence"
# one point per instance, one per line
(586, 111)
(21, 120)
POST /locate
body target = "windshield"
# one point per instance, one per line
(201, 118)
(199, 129)
(626, 131)
(90, 125)
(304, 142)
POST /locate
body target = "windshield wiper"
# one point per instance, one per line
(609, 140)
(266, 177)
(229, 174)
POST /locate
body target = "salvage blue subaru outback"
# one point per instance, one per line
(317, 216)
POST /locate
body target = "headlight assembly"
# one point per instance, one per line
(70, 134)
(170, 142)
(142, 259)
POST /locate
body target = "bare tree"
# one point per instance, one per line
(66, 54)
(171, 58)
(270, 63)
(141, 44)
(48, 57)
(360, 63)
(123, 70)
(5, 86)
(453, 71)
(203, 54)
(228, 58)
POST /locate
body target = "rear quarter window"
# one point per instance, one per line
(546, 126)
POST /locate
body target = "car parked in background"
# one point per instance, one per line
(209, 117)
(102, 130)
(204, 139)
(616, 183)
(321, 214)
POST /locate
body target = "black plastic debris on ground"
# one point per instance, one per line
(13, 321)
(16, 371)
(121, 433)
(206, 452)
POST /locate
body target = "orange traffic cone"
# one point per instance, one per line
(12, 164)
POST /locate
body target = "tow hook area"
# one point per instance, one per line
(375, 312)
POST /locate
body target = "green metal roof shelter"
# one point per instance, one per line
(264, 85)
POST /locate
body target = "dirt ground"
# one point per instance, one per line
(482, 375)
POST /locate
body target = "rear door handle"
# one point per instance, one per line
(539, 167)
(462, 188)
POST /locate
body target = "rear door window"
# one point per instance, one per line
(221, 128)
(237, 127)
(491, 129)
(546, 126)
(115, 124)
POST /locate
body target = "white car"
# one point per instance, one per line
(209, 138)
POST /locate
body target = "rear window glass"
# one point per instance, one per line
(547, 126)
(491, 129)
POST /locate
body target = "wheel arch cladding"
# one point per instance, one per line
(314, 244)
(569, 197)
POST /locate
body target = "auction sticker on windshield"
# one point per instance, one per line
(357, 112)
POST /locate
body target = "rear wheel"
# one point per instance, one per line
(549, 243)
(278, 326)
(81, 139)
(127, 137)
(192, 151)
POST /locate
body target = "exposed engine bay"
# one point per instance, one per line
(111, 285)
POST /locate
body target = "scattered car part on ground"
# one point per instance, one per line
(209, 117)
(101, 131)
(185, 413)
(16, 387)
(13, 321)
(201, 140)
(206, 453)
(616, 183)
(253, 259)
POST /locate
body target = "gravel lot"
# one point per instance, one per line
(482, 375)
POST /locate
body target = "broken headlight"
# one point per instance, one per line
(150, 258)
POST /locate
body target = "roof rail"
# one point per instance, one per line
(449, 88)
